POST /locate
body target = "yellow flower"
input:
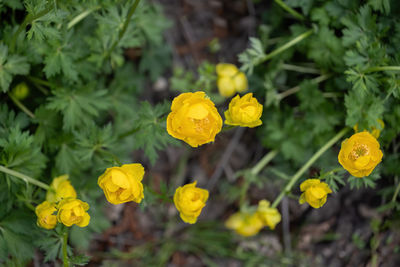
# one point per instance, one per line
(60, 188)
(269, 216)
(20, 91)
(230, 80)
(45, 213)
(315, 192)
(360, 154)
(374, 131)
(194, 119)
(73, 211)
(245, 224)
(189, 200)
(245, 111)
(123, 184)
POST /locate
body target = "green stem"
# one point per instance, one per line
(286, 46)
(128, 133)
(264, 161)
(110, 154)
(254, 171)
(24, 177)
(307, 165)
(331, 172)
(40, 81)
(295, 89)
(81, 16)
(293, 12)
(64, 249)
(300, 69)
(383, 68)
(396, 192)
(28, 20)
(21, 106)
(124, 27)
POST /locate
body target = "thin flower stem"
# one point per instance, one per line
(21, 106)
(124, 27)
(81, 16)
(293, 12)
(264, 161)
(295, 89)
(28, 20)
(396, 192)
(254, 171)
(307, 165)
(300, 69)
(383, 68)
(287, 45)
(112, 155)
(64, 249)
(24, 177)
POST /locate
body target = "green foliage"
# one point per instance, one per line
(80, 108)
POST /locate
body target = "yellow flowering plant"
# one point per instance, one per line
(123, 184)
(46, 215)
(189, 200)
(230, 80)
(269, 216)
(314, 193)
(244, 111)
(360, 154)
(73, 211)
(245, 224)
(60, 188)
(194, 119)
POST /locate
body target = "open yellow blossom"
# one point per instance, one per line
(123, 184)
(269, 216)
(374, 131)
(73, 211)
(315, 192)
(360, 154)
(244, 111)
(46, 215)
(189, 200)
(230, 80)
(194, 119)
(60, 188)
(245, 224)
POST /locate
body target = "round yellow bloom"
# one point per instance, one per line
(189, 200)
(230, 80)
(269, 216)
(60, 188)
(360, 154)
(123, 184)
(20, 91)
(374, 131)
(245, 111)
(46, 217)
(194, 119)
(315, 192)
(73, 211)
(245, 224)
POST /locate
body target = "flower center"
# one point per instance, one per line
(200, 125)
(359, 151)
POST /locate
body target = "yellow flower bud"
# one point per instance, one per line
(60, 188)
(194, 119)
(73, 211)
(46, 217)
(245, 224)
(20, 91)
(245, 111)
(315, 192)
(230, 80)
(123, 184)
(374, 131)
(360, 154)
(270, 216)
(189, 200)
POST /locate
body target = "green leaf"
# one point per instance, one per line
(10, 65)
